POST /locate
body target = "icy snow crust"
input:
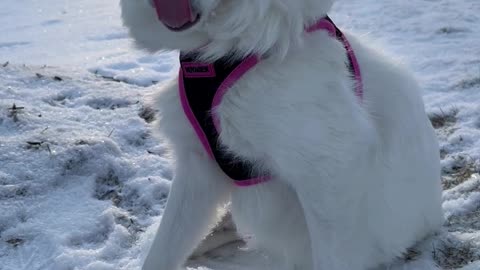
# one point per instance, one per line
(83, 183)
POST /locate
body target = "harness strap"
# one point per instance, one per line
(203, 85)
(328, 25)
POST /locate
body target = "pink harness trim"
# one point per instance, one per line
(253, 181)
(241, 70)
(324, 24)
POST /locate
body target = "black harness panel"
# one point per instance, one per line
(201, 83)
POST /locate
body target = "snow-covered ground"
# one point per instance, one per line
(83, 183)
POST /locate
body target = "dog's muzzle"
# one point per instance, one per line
(176, 15)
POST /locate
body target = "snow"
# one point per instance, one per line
(83, 183)
(76, 165)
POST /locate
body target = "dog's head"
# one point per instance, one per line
(220, 27)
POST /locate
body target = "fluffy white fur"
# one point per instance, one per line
(354, 183)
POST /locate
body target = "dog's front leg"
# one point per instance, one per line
(198, 188)
(338, 238)
(333, 185)
(336, 209)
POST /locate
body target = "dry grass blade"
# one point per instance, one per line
(444, 119)
(14, 111)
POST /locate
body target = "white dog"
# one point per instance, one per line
(353, 182)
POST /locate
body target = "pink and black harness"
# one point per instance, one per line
(202, 87)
